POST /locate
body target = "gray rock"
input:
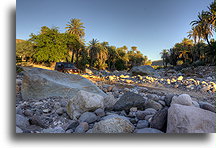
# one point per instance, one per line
(142, 124)
(159, 120)
(21, 121)
(153, 97)
(60, 111)
(148, 130)
(148, 117)
(150, 111)
(129, 100)
(41, 83)
(39, 121)
(18, 130)
(207, 106)
(28, 113)
(115, 124)
(69, 131)
(99, 112)
(72, 124)
(140, 115)
(153, 104)
(183, 99)
(88, 117)
(168, 99)
(82, 127)
(190, 119)
(144, 71)
(89, 131)
(195, 104)
(53, 130)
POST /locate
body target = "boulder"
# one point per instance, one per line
(159, 120)
(129, 100)
(82, 102)
(41, 83)
(113, 124)
(88, 117)
(153, 104)
(168, 99)
(21, 121)
(144, 71)
(183, 99)
(99, 112)
(142, 124)
(82, 127)
(190, 119)
(207, 106)
(153, 97)
(18, 130)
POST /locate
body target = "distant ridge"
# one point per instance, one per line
(19, 40)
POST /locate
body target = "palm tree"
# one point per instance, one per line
(75, 26)
(195, 33)
(203, 27)
(164, 56)
(93, 50)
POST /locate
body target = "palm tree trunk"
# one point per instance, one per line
(72, 59)
(208, 41)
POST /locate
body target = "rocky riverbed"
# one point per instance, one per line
(117, 102)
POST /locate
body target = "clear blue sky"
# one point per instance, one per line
(151, 25)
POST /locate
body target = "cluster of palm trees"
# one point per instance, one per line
(101, 55)
(195, 51)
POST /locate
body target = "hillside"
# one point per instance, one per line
(19, 40)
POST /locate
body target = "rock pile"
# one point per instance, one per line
(114, 110)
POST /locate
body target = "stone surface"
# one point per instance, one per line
(207, 106)
(21, 121)
(88, 117)
(18, 130)
(147, 130)
(82, 127)
(183, 99)
(83, 102)
(129, 100)
(113, 124)
(168, 99)
(99, 112)
(159, 120)
(153, 104)
(153, 97)
(189, 119)
(39, 121)
(72, 124)
(142, 124)
(53, 130)
(41, 83)
(144, 70)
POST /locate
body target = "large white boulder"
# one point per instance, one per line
(190, 119)
(82, 102)
(41, 83)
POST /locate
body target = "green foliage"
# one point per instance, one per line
(50, 45)
(24, 49)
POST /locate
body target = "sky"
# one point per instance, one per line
(151, 25)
